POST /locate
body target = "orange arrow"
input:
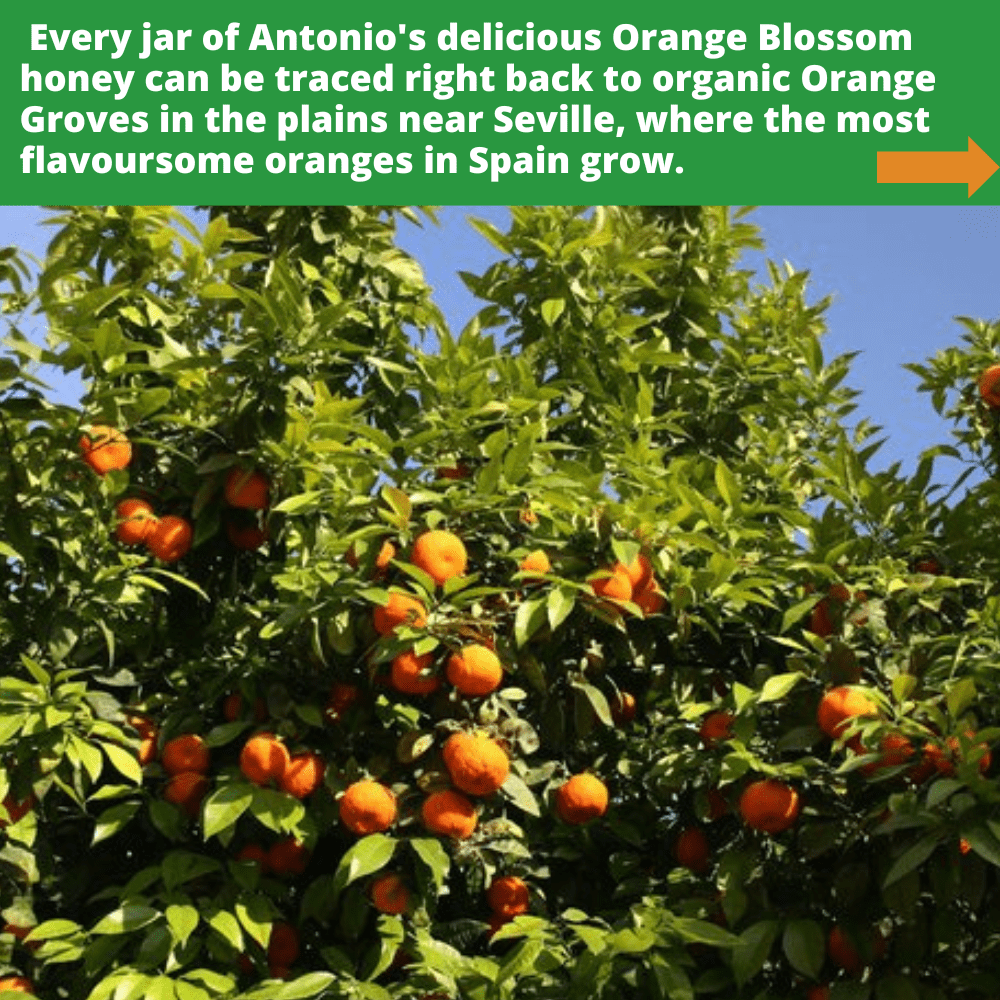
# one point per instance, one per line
(974, 168)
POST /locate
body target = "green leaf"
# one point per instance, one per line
(432, 853)
(984, 842)
(368, 855)
(912, 858)
(530, 617)
(752, 950)
(727, 484)
(552, 309)
(182, 920)
(775, 688)
(960, 696)
(255, 915)
(225, 806)
(124, 761)
(559, 605)
(130, 917)
(520, 794)
(804, 945)
(228, 927)
(114, 819)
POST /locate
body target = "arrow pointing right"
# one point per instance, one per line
(972, 167)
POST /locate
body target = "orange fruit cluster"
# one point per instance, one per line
(633, 582)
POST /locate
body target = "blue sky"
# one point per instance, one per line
(898, 276)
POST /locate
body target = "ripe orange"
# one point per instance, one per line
(639, 572)
(536, 562)
(819, 993)
(440, 554)
(389, 894)
(475, 670)
(944, 758)
(283, 944)
(246, 489)
(135, 521)
(717, 805)
(583, 798)
(691, 849)
(989, 387)
(147, 750)
(287, 857)
(303, 775)
(769, 805)
(254, 853)
(930, 566)
(964, 846)
(186, 790)
(820, 620)
(400, 609)
(508, 896)
(263, 759)
(650, 598)
(895, 749)
(460, 471)
(450, 814)
(477, 765)
(842, 951)
(185, 753)
(386, 554)
(233, 708)
(617, 586)
(342, 696)
(16, 984)
(411, 673)
(368, 807)
(142, 725)
(623, 708)
(170, 538)
(716, 727)
(247, 537)
(105, 449)
(839, 705)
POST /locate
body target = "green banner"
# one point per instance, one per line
(864, 103)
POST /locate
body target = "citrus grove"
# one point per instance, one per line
(579, 654)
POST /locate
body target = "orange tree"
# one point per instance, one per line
(578, 654)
